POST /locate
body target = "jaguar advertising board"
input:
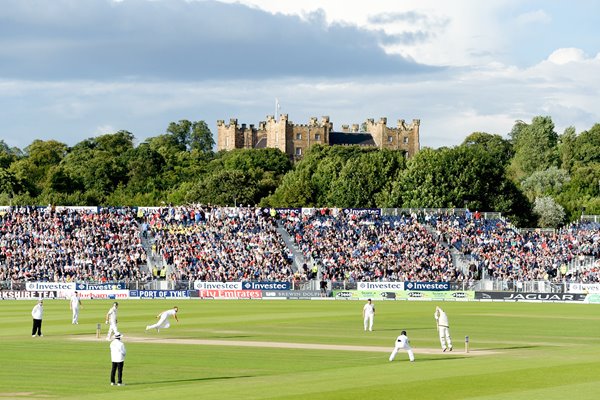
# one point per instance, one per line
(532, 297)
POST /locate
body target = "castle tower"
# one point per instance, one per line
(296, 139)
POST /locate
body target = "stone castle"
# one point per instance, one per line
(294, 139)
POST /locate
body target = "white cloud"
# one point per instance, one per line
(567, 55)
(104, 129)
(534, 17)
(450, 104)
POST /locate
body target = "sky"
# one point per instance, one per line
(76, 69)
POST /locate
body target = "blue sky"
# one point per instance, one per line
(70, 70)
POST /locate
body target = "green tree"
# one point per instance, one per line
(187, 136)
(449, 177)
(225, 188)
(535, 147)
(566, 148)
(32, 170)
(365, 180)
(550, 213)
(545, 183)
(494, 145)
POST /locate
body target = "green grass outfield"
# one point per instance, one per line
(538, 351)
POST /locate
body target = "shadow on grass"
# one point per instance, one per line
(232, 337)
(215, 378)
(404, 329)
(511, 347)
(445, 358)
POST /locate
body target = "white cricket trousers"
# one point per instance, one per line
(368, 322)
(411, 355)
(75, 315)
(445, 339)
(111, 330)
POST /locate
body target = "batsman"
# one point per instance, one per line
(441, 320)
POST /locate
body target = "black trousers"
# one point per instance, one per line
(37, 327)
(117, 366)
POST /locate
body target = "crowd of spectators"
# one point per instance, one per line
(220, 244)
(68, 245)
(500, 251)
(368, 247)
(243, 243)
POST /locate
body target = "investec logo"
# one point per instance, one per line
(380, 285)
(427, 286)
(218, 285)
(49, 286)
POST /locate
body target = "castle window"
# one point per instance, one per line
(405, 139)
(317, 136)
(298, 151)
(390, 139)
(298, 136)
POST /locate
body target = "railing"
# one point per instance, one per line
(452, 211)
(590, 218)
(484, 285)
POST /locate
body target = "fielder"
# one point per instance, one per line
(75, 304)
(402, 342)
(368, 315)
(163, 319)
(111, 317)
(441, 320)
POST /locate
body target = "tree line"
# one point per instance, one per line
(535, 177)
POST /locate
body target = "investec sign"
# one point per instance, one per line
(101, 286)
(380, 286)
(49, 286)
(436, 286)
(200, 285)
(266, 286)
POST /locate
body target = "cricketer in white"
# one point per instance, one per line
(402, 343)
(443, 327)
(163, 319)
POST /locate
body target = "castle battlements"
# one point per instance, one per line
(295, 139)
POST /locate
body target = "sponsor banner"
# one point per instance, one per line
(201, 285)
(103, 294)
(89, 209)
(528, 296)
(451, 295)
(100, 286)
(266, 286)
(290, 294)
(230, 294)
(361, 211)
(593, 298)
(49, 286)
(27, 295)
(288, 211)
(404, 295)
(584, 288)
(440, 286)
(388, 295)
(387, 286)
(159, 294)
